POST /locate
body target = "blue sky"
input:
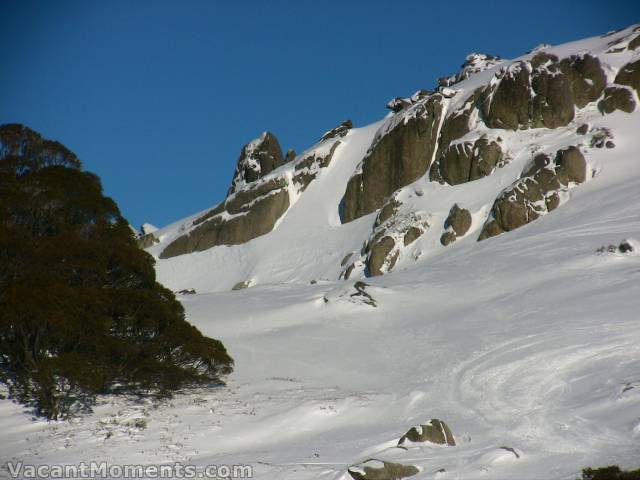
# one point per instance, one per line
(158, 97)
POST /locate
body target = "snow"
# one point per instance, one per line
(527, 344)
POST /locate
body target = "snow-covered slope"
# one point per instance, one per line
(526, 344)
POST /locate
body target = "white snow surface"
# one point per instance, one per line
(529, 340)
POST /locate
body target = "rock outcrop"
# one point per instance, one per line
(339, 131)
(252, 210)
(434, 431)
(456, 225)
(401, 152)
(617, 98)
(630, 75)
(473, 63)
(537, 192)
(541, 92)
(257, 159)
(466, 161)
(373, 469)
(245, 215)
(307, 169)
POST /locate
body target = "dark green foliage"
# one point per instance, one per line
(81, 312)
(611, 472)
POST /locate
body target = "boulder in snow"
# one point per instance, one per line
(434, 431)
(373, 469)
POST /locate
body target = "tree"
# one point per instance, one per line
(81, 312)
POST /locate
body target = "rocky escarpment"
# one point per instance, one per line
(253, 205)
(257, 159)
(541, 92)
(490, 149)
(537, 192)
(401, 152)
(467, 161)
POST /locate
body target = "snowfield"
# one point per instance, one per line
(526, 344)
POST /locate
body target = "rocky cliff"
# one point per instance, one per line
(491, 148)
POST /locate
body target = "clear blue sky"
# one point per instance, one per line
(158, 97)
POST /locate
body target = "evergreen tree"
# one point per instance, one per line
(81, 312)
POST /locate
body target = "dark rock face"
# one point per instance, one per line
(400, 154)
(509, 105)
(456, 123)
(465, 162)
(538, 93)
(339, 131)
(373, 469)
(257, 158)
(435, 431)
(586, 76)
(617, 98)
(536, 193)
(255, 211)
(634, 43)
(630, 75)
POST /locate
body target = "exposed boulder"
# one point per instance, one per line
(570, 165)
(434, 431)
(412, 234)
(373, 469)
(601, 137)
(625, 246)
(630, 75)
(388, 210)
(339, 131)
(457, 224)
(379, 260)
(464, 162)
(401, 153)
(617, 98)
(536, 193)
(459, 220)
(242, 285)
(582, 129)
(447, 238)
(257, 158)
